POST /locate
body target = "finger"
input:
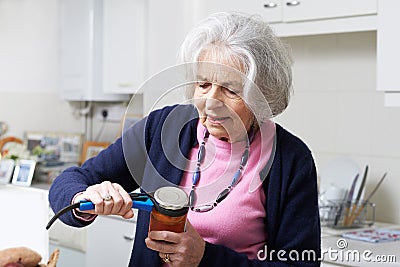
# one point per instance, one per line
(117, 200)
(160, 246)
(97, 200)
(80, 197)
(94, 196)
(163, 256)
(93, 193)
(83, 196)
(106, 189)
(126, 209)
(189, 227)
(130, 214)
(166, 236)
(126, 200)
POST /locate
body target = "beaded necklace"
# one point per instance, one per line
(235, 179)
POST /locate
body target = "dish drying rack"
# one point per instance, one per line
(341, 214)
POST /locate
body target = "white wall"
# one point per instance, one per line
(338, 112)
(29, 90)
(30, 98)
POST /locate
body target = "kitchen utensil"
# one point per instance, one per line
(360, 191)
(362, 206)
(338, 172)
(349, 199)
(140, 201)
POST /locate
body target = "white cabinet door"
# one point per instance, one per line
(124, 45)
(272, 10)
(109, 242)
(168, 23)
(291, 10)
(294, 10)
(24, 214)
(81, 46)
(269, 10)
(68, 257)
(388, 44)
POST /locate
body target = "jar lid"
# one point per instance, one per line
(172, 198)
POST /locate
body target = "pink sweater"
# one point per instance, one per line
(238, 221)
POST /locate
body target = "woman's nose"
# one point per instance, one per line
(214, 97)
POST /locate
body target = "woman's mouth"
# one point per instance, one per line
(216, 120)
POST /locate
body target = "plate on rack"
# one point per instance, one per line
(337, 177)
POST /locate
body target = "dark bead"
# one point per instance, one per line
(192, 198)
(200, 154)
(245, 157)
(222, 195)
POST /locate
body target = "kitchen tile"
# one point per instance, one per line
(353, 129)
(385, 136)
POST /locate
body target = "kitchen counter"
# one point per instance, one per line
(341, 251)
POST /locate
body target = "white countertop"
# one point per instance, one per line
(339, 251)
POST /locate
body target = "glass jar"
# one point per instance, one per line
(170, 210)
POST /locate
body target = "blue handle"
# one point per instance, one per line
(86, 205)
(141, 205)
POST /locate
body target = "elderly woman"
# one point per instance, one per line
(269, 216)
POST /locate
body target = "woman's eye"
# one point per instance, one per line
(230, 91)
(204, 85)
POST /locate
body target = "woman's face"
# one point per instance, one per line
(218, 100)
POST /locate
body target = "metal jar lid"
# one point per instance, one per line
(171, 201)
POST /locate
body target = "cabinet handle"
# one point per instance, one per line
(125, 85)
(293, 3)
(270, 5)
(128, 238)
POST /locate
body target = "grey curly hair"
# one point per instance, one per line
(249, 44)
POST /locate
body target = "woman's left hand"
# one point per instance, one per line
(182, 249)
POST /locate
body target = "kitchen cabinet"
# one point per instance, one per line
(68, 257)
(327, 9)
(388, 54)
(124, 45)
(269, 10)
(167, 24)
(107, 241)
(81, 51)
(303, 17)
(291, 10)
(23, 218)
(388, 43)
(110, 241)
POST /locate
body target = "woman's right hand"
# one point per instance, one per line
(120, 202)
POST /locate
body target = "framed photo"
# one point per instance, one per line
(47, 146)
(6, 170)
(91, 149)
(23, 172)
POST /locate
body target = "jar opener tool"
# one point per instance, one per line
(141, 201)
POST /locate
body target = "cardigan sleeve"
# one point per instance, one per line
(108, 165)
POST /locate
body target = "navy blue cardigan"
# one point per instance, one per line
(292, 222)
